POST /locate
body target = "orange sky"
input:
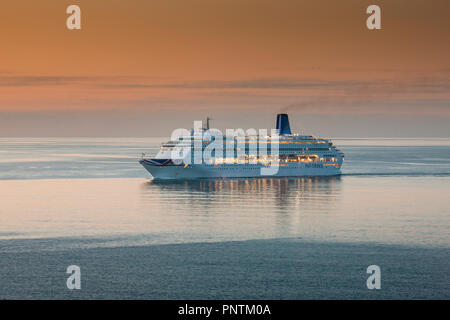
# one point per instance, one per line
(160, 57)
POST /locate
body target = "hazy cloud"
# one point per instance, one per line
(25, 81)
(389, 85)
(275, 83)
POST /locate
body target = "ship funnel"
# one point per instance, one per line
(283, 124)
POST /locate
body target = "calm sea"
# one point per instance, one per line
(64, 196)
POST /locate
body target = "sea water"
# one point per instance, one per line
(88, 201)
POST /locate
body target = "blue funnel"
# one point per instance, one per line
(283, 124)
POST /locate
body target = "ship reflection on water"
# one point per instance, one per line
(281, 204)
(281, 189)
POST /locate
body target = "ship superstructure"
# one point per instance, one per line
(204, 154)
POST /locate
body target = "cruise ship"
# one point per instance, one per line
(201, 154)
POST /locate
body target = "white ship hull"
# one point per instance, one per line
(202, 171)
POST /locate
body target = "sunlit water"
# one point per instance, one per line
(391, 191)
